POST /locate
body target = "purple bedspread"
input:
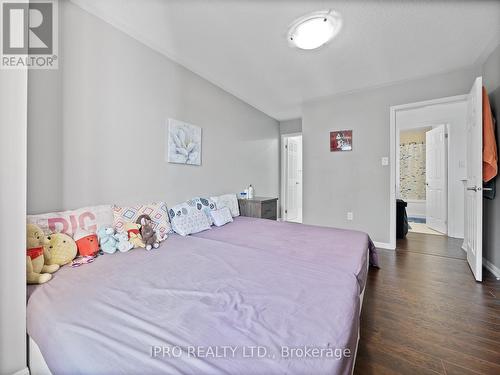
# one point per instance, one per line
(193, 297)
(346, 250)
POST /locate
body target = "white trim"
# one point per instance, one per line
(283, 165)
(492, 268)
(425, 103)
(392, 190)
(36, 362)
(392, 143)
(24, 371)
(384, 245)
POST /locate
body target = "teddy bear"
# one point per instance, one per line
(38, 271)
(86, 242)
(107, 239)
(134, 234)
(123, 244)
(147, 232)
(61, 247)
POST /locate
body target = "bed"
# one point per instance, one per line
(200, 305)
(345, 250)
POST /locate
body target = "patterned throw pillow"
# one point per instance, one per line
(187, 219)
(221, 216)
(203, 204)
(228, 200)
(68, 222)
(157, 211)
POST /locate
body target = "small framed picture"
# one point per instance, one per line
(341, 140)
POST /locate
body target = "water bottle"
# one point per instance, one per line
(250, 192)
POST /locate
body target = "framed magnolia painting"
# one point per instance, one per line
(183, 143)
(341, 140)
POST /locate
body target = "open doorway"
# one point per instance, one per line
(291, 174)
(430, 164)
(423, 178)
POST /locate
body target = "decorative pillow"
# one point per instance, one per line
(221, 216)
(228, 200)
(87, 218)
(158, 213)
(206, 205)
(186, 219)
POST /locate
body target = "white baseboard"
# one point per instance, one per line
(492, 268)
(384, 245)
(24, 371)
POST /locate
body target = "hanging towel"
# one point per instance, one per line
(490, 156)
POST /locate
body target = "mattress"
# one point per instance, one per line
(345, 250)
(198, 306)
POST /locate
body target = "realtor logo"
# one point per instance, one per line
(29, 34)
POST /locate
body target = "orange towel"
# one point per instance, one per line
(490, 156)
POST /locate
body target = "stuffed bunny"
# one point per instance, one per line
(147, 232)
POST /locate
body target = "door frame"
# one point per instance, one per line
(393, 139)
(284, 177)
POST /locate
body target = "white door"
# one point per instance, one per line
(292, 196)
(436, 179)
(473, 241)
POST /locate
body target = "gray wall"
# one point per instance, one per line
(115, 97)
(491, 213)
(338, 182)
(291, 126)
(45, 139)
(13, 124)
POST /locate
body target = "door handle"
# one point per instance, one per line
(474, 188)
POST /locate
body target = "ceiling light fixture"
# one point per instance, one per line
(315, 29)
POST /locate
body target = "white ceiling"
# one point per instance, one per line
(241, 45)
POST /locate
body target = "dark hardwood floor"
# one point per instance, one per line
(424, 313)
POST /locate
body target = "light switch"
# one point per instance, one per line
(385, 161)
(350, 216)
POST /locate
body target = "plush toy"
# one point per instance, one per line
(62, 248)
(147, 232)
(86, 242)
(107, 240)
(37, 270)
(134, 234)
(123, 244)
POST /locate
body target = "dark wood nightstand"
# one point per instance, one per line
(261, 207)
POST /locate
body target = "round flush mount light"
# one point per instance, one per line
(314, 29)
